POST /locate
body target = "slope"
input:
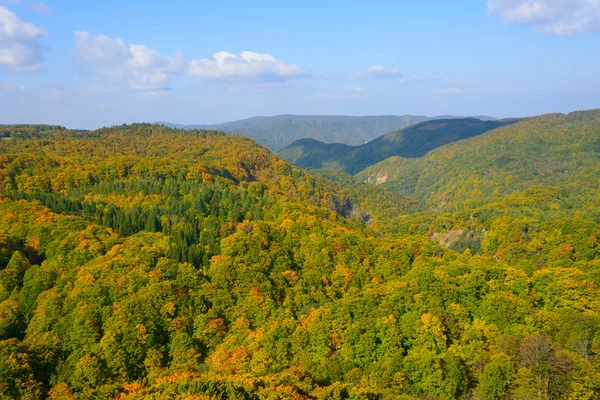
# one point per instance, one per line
(413, 141)
(550, 150)
(128, 175)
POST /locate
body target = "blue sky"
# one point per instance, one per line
(86, 65)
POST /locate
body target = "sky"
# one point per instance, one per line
(86, 64)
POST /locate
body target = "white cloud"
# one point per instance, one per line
(555, 17)
(456, 81)
(415, 79)
(143, 68)
(144, 80)
(154, 93)
(245, 67)
(448, 91)
(355, 88)
(100, 49)
(145, 57)
(377, 72)
(40, 8)
(9, 88)
(19, 42)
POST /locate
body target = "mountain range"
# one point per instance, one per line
(413, 141)
(279, 131)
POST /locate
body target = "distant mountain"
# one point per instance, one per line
(22, 130)
(413, 141)
(549, 150)
(480, 117)
(279, 131)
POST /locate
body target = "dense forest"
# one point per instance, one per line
(144, 262)
(410, 142)
(550, 150)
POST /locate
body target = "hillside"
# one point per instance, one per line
(16, 131)
(66, 160)
(550, 150)
(413, 141)
(143, 262)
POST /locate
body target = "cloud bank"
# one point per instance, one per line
(40, 8)
(10, 88)
(553, 17)
(20, 47)
(245, 67)
(141, 67)
(148, 71)
(378, 72)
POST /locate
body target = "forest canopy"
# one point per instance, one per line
(144, 262)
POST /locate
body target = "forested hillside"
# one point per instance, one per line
(279, 131)
(27, 131)
(551, 150)
(413, 141)
(141, 262)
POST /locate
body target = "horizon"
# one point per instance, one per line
(88, 66)
(186, 126)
